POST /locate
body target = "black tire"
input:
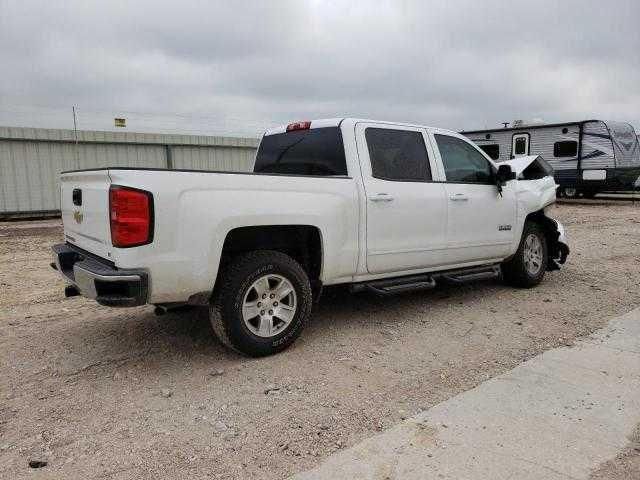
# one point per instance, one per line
(225, 310)
(569, 192)
(514, 270)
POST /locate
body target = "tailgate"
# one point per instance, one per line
(84, 201)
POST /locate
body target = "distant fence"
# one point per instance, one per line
(31, 160)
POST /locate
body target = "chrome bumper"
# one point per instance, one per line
(99, 279)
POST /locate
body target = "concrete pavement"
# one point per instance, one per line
(556, 416)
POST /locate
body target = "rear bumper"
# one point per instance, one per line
(99, 279)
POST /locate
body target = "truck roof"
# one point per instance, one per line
(318, 123)
(335, 122)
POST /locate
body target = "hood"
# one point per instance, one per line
(533, 164)
(535, 186)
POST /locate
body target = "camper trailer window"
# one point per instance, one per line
(520, 146)
(492, 150)
(398, 155)
(462, 162)
(565, 148)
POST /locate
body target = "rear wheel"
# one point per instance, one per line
(569, 192)
(263, 303)
(527, 267)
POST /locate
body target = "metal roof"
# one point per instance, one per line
(96, 136)
(528, 127)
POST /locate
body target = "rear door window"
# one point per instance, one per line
(315, 152)
(398, 155)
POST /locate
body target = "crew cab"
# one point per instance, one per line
(382, 206)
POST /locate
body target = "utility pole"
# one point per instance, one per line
(75, 135)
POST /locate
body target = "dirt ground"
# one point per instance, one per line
(625, 466)
(120, 393)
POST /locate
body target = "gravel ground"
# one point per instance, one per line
(625, 466)
(121, 393)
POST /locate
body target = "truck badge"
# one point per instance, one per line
(504, 228)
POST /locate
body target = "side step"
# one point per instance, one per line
(471, 275)
(389, 286)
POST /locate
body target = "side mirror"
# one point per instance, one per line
(504, 174)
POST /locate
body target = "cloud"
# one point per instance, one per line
(239, 67)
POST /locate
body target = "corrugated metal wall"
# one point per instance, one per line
(31, 159)
(205, 158)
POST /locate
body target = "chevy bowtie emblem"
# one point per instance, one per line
(77, 216)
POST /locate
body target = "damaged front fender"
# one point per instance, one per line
(535, 186)
(557, 244)
(535, 190)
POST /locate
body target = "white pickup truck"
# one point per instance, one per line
(382, 206)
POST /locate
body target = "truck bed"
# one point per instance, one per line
(193, 213)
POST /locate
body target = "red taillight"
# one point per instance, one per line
(131, 216)
(298, 126)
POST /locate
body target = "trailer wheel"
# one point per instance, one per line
(527, 267)
(569, 192)
(263, 303)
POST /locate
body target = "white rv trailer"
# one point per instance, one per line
(587, 156)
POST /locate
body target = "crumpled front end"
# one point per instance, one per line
(535, 190)
(557, 244)
(535, 185)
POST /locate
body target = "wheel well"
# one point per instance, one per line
(550, 230)
(301, 242)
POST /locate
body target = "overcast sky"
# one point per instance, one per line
(238, 67)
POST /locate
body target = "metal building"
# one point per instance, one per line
(31, 160)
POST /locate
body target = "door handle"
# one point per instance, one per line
(459, 197)
(382, 197)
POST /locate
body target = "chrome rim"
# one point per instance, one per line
(269, 305)
(570, 192)
(532, 254)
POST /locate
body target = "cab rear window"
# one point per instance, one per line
(315, 152)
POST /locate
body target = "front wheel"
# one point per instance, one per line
(263, 303)
(527, 267)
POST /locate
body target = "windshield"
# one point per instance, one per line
(317, 151)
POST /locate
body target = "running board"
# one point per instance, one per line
(471, 275)
(398, 285)
(390, 286)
